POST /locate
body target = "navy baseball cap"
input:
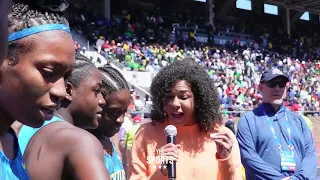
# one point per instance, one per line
(271, 74)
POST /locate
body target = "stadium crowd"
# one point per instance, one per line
(150, 43)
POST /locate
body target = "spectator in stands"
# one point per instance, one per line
(147, 106)
(77, 46)
(99, 43)
(139, 105)
(149, 68)
(84, 52)
(284, 150)
(126, 125)
(131, 107)
(184, 96)
(147, 101)
(133, 92)
(156, 66)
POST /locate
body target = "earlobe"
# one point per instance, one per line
(6, 62)
(69, 89)
(11, 61)
(5, 65)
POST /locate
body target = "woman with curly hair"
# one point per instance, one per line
(184, 96)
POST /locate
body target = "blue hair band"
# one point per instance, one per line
(37, 29)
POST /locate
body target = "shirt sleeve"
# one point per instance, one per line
(308, 166)
(253, 164)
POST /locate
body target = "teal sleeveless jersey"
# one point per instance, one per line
(114, 166)
(12, 169)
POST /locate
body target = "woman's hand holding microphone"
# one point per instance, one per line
(168, 153)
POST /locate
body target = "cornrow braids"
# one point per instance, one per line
(112, 79)
(23, 16)
(81, 70)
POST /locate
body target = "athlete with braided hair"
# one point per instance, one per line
(75, 153)
(116, 93)
(40, 55)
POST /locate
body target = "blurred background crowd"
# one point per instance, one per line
(146, 42)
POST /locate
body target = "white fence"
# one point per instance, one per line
(142, 79)
(137, 80)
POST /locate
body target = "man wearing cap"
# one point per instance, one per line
(276, 143)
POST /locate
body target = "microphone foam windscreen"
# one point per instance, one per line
(170, 130)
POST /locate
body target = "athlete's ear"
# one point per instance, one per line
(70, 91)
(68, 99)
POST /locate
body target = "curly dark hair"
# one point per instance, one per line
(207, 105)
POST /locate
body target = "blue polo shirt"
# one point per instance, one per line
(259, 153)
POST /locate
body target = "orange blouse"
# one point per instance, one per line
(197, 156)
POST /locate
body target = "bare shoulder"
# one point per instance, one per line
(84, 154)
(63, 137)
(69, 149)
(72, 138)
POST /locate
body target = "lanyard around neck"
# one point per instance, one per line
(275, 137)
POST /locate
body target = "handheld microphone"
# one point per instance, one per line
(171, 133)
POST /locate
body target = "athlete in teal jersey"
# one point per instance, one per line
(114, 165)
(117, 96)
(62, 142)
(28, 93)
(12, 169)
